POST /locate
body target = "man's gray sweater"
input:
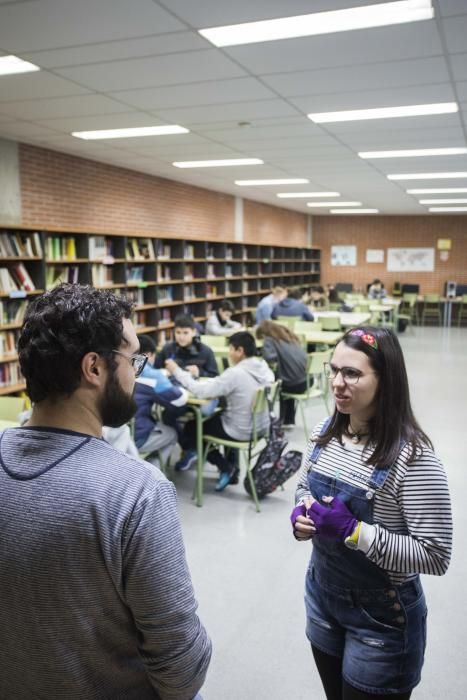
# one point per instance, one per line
(96, 600)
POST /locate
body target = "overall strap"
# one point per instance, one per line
(380, 475)
(318, 448)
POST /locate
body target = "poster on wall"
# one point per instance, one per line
(374, 255)
(411, 259)
(343, 255)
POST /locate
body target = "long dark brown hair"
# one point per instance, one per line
(277, 331)
(393, 423)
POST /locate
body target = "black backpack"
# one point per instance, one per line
(273, 468)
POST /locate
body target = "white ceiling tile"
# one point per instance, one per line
(116, 50)
(102, 121)
(455, 31)
(362, 77)
(459, 66)
(461, 89)
(28, 86)
(452, 7)
(233, 112)
(154, 71)
(23, 130)
(193, 94)
(342, 49)
(52, 108)
(48, 24)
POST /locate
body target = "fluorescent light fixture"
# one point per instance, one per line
(12, 64)
(320, 23)
(447, 209)
(441, 190)
(280, 181)
(414, 153)
(442, 201)
(131, 132)
(351, 115)
(334, 204)
(426, 176)
(217, 163)
(297, 195)
(354, 211)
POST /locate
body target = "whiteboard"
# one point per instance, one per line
(343, 255)
(411, 259)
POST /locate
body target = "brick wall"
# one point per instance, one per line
(61, 191)
(392, 232)
(265, 225)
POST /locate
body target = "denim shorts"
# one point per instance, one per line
(379, 634)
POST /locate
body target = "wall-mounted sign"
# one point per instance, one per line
(374, 255)
(343, 255)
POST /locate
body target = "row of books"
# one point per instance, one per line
(60, 248)
(165, 294)
(14, 278)
(8, 342)
(57, 274)
(10, 374)
(135, 274)
(101, 275)
(140, 249)
(163, 272)
(134, 295)
(100, 247)
(12, 311)
(20, 244)
(164, 250)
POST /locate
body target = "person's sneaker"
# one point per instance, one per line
(186, 462)
(223, 480)
(235, 478)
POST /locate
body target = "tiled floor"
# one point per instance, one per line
(248, 571)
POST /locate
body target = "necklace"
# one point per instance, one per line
(354, 435)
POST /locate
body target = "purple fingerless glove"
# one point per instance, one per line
(334, 521)
(298, 510)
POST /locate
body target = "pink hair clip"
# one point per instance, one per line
(366, 337)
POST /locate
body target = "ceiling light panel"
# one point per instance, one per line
(9, 65)
(447, 209)
(440, 190)
(226, 162)
(334, 204)
(329, 22)
(428, 176)
(131, 132)
(442, 201)
(414, 153)
(305, 195)
(354, 211)
(277, 181)
(384, 112)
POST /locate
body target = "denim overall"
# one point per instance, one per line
(353, 610)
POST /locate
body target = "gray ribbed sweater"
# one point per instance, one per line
(96, 600)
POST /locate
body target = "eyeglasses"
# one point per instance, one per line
(137, 360)
(349, 374)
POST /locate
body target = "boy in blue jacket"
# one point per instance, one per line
(154, 387)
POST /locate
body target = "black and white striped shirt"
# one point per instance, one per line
(412, 530)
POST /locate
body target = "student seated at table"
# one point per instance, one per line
(238, 385)
(318, 297)
(187, 350)
(293, 305)
(267, 304)
(220, 321)
(154, 387)
(283, 348)
(376, 290)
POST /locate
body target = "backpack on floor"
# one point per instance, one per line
(273, 468)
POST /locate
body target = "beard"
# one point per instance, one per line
(115, 406)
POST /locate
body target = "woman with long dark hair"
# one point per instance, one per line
(373, 498)
(283, 348)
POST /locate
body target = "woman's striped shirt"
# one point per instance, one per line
(412, 530)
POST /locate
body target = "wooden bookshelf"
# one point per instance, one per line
(163, 276)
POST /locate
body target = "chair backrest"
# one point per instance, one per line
(306, 326)
(431, 298)
(330, 323)
(214, 341)
(317, 360)
(11, 407)
(464, 299)
(288, 321)
(410, 297)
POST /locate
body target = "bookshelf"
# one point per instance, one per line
(163, 276)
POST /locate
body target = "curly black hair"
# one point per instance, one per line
(60, 327)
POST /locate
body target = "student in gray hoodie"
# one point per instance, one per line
(238, 385)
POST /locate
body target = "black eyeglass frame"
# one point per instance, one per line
(137, 360)
(329, 373)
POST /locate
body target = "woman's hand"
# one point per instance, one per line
(303, 526)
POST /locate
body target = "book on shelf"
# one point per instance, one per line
(189, 291)
(139, 319)
(165, 294)
(20, 244)
(10, 373)
(7, 282)
(210, 252)
(12, 311)
(163, 273)
(188, 273)
(99, 247)
(228, 271)
(56, 274)
(189, 250)
(211, 290)
(22, 278)
(140, 249)
(102, 275)
(163, 250)
(135, 273)
(229, 253)
(8, 342)
(210, 273)
(165, 316)
(134, 295)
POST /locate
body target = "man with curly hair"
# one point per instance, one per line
(96, 598)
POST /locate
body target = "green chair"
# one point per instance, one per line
(330, 323)
(214, 341)
(306, 326)
(462, 313)
(432, 308)
(248, 449)
(319, 389)
(10, 408)
(408, 309)
(288, 321)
